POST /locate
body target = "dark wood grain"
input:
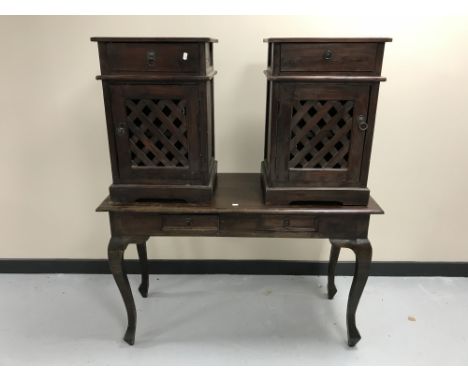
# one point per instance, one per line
(143, 258)
(160, 78)
(154, 39)
(327, 39)
(363, 251)
(334, 254)
(321, 106)
(323, 78)
(243, 189)
(116, 249)
(158, 96)
(344, 57)
(132, 57)
(237, 210)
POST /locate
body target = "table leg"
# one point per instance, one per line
(116, 249)
(363, 251)
(334, 253)
(143, 288)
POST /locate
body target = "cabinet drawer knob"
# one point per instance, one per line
(121, 128)
(327, 55)
(285, 222)
(362, 122)
(151, 57)
(188, 221)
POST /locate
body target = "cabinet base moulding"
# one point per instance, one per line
(190, 193)
(279, 195)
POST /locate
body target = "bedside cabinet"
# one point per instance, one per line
(158, 96)
(321, 104)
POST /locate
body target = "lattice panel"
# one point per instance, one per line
(320, 134)
(157, 130)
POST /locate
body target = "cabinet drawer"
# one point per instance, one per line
(157, 57)
(328, 57)
(287, 223)
(190, 223)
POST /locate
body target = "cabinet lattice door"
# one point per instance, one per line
(320, 133)
(157, 132)
(321, 124)
(153, 128)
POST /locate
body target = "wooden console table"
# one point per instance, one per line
(237, 210)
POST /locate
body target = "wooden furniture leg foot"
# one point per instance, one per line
(116, 251)
(363, 251)
(142, 255)
(334, 253)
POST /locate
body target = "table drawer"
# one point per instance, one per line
(287, 223)
(328, 57)
(269, 224)
(156, 57)
(190, 223)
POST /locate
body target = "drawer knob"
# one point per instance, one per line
(188, 221)
(327, 55)
(362, 122)
(151, 57)
(121, 128)
(285, 222)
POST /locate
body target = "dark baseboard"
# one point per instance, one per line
(240, 267)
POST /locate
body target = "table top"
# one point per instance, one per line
(237, 193)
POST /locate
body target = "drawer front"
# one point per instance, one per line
(147, 224)
(328, 57)
(190, 223)
(269, 225)
(287, 223)
(162, 57)
(133, 223)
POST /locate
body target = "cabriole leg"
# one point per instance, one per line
(363, 251)
(334, 253)
(116, 251)
(142, 255)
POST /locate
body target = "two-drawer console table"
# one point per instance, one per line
(237, 210)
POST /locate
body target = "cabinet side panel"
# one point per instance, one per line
(266, 151)
(367, 149)
(272, 143)
(205, 131)
(103, 60)
(107, 94)
(210, 120)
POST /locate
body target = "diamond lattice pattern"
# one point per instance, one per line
(320, 134)
(157, 131)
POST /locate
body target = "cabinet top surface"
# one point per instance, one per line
(327, 39)
(243, 189)
(153, 39)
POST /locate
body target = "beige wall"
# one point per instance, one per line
(53, 149)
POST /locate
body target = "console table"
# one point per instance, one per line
(237, 210)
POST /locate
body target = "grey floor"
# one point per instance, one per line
(231, 320)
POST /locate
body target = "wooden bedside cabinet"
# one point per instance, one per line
(158, 95)
(321, 104)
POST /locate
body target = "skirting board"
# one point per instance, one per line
(240, 267)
